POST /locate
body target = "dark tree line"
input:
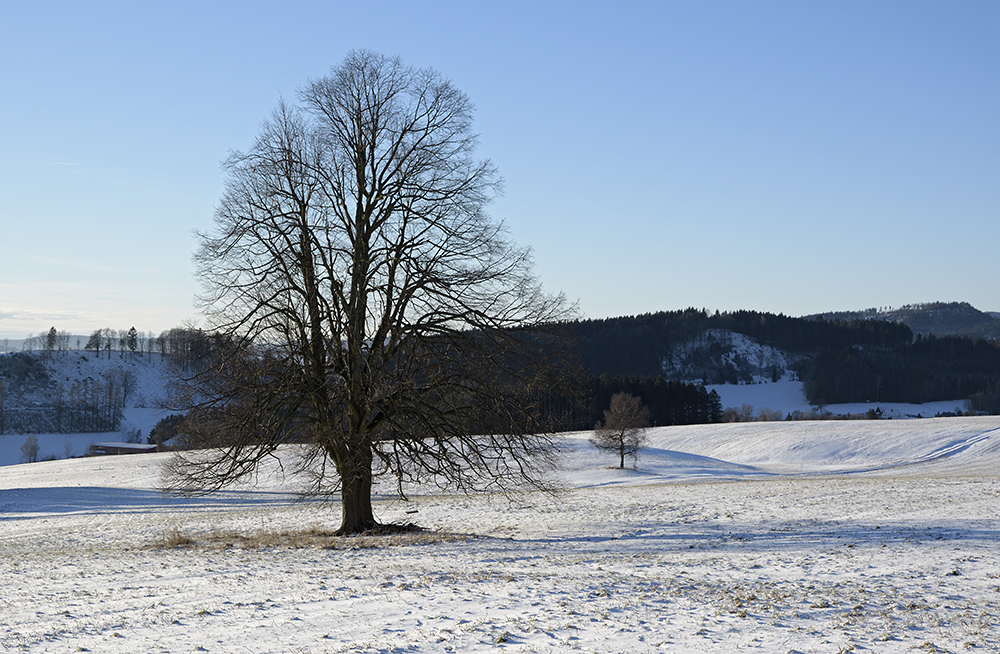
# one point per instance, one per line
(928, 369)
(987, 400)
(31, 401)
(178, 341)
(853, 360)
(669, 402)
(97, 408)
(577, 402)
(637, 345)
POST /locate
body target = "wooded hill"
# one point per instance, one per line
(839, 360)
(854, 360)
(938, 318)
(638, 345)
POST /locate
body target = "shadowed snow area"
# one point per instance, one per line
(786, 537)
(788, 396)
(737, 450)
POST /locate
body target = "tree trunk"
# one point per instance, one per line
(356, 494)
(621, 448)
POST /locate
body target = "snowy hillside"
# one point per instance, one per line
(816, 537)
(142, 406)
(150, 372)
(719, 354)
(147, 377)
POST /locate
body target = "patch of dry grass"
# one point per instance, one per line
(313, 537)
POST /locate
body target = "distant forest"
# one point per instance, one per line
(637, 345)
(926, 370)
(852, 360)
(938, 318)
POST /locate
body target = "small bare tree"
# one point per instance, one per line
(361, 301)
(623, 430)
(123, 382)
(29, 450)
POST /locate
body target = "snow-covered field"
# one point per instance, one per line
(788, 396)
(783, 537)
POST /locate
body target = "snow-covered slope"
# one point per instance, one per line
(822, 537)
(681, 453)
(67, 369)
(150, 372)
(142, 406)
(722, 355)
(740, 450)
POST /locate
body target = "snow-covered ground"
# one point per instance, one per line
(64, 446)
(788, 396)
(784, 537)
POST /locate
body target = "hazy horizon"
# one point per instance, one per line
(17, 340)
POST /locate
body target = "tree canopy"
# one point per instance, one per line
(623, 430)
(362, 301)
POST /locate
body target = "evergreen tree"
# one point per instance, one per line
(51, 339)
(132, 339)
(94, 342)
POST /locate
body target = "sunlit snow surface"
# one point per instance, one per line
(785, 537)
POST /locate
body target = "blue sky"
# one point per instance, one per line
(792, 157)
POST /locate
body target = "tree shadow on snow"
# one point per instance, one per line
(779, 537)
(24, 503)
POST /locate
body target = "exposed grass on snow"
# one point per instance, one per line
(313, 537)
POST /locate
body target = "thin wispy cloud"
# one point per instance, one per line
(81, 265)
(27, 315)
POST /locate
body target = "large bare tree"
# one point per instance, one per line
(363, 302)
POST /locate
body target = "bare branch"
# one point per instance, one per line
(365, 302)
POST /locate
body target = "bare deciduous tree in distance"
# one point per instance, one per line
(29, 450)
(363, 302)
(623, 430)
(3, 392)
